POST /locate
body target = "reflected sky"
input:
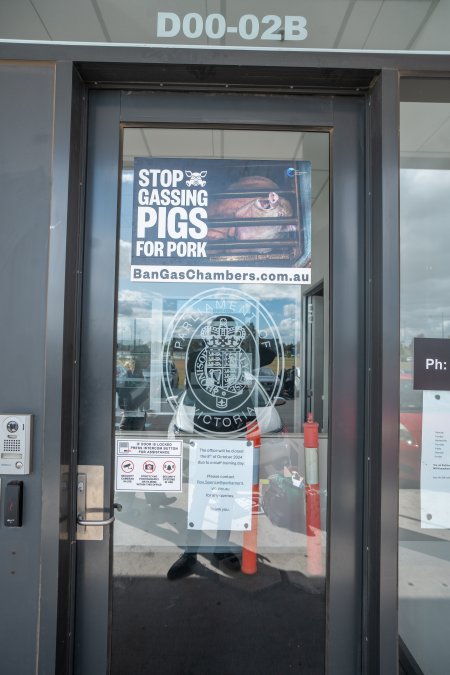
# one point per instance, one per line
(140, 309)
(425, 253)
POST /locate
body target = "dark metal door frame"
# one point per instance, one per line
(345, 118)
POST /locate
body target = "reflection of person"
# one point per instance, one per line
(288, 380)
(132, 393)
(219, 378)
(133, 418)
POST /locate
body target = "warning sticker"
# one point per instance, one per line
(148, 466)
(155, 447)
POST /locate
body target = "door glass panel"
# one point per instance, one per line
(424, 500)
(217, 366)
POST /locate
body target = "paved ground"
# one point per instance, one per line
(215, 620)
(274, 622)
(424, 586)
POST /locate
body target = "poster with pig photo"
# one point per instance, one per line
(204, 220)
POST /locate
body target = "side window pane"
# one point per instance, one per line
(424, 506)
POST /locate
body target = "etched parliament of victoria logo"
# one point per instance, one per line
(223, 336)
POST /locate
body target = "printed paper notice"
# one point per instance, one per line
(435, 466)
(144, 465)
(220, 485)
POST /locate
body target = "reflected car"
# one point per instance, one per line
(410, 433)
(269, 380)
(133, 392)
(169, 372)
(277, 449)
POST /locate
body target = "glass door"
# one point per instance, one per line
(213, 331)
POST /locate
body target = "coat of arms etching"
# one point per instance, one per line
(222, 367)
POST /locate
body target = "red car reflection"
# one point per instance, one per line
(410, 432)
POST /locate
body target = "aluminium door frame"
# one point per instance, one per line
(111, 109)
(380, 616)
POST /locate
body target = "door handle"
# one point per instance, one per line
(81, 520)
(92, 517)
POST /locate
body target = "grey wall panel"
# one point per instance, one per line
(109, 63)
(26, 129)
